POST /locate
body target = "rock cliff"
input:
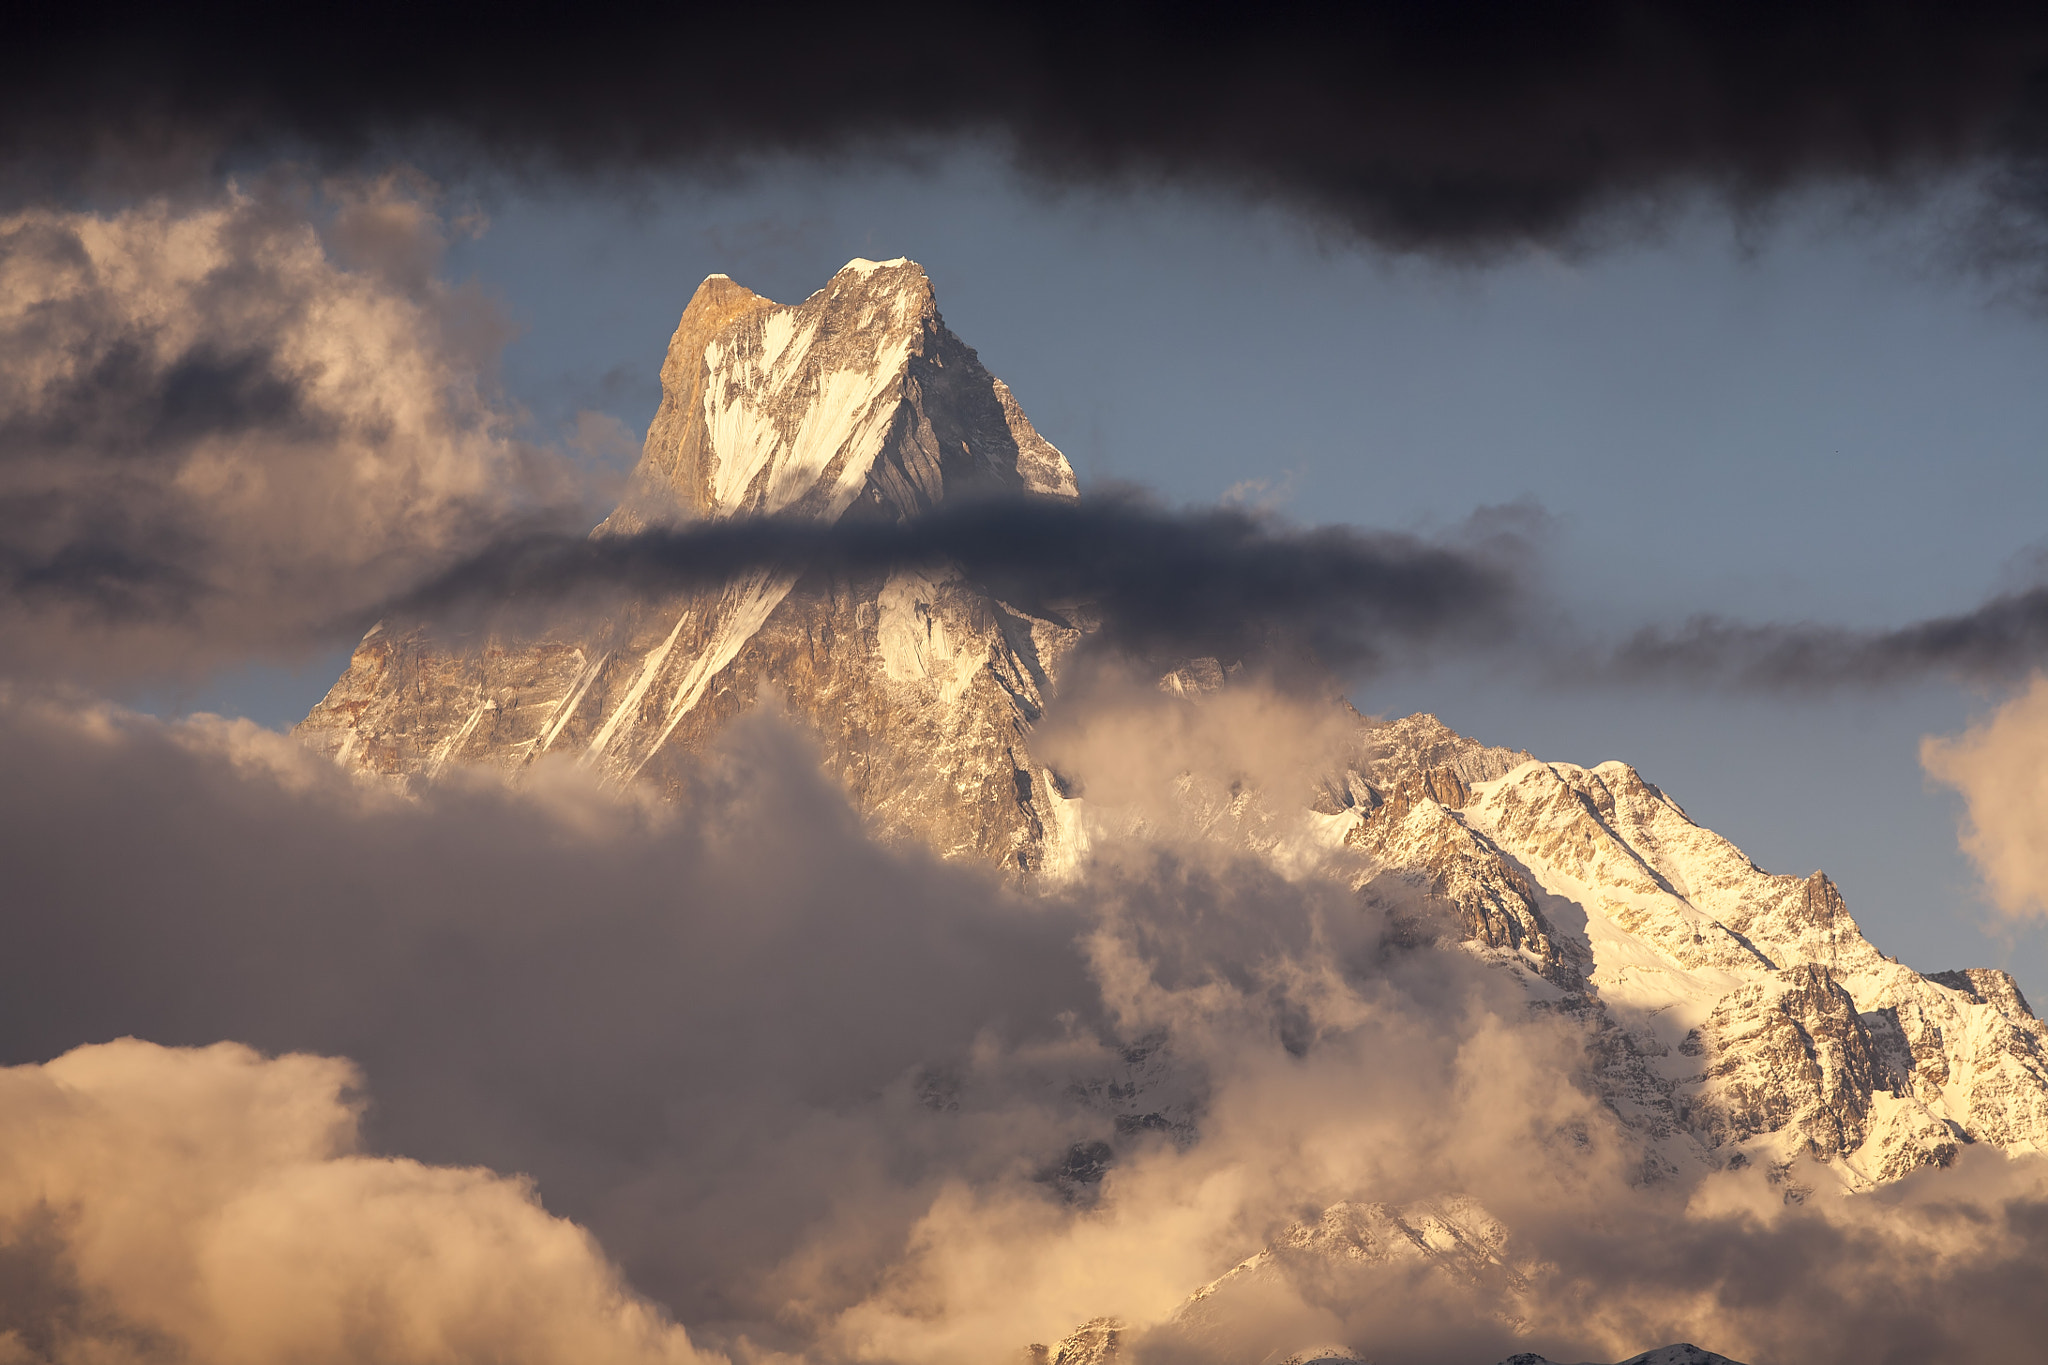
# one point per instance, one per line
(1745, 1016)
(923, 686)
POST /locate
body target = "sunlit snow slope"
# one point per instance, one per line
(856, 402)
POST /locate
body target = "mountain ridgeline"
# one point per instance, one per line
(922, 686)
(1733, 1017)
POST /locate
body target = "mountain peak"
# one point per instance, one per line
(858, 397)
(861, 265)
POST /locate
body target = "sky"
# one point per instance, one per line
(1616, 380)
(1817, 413)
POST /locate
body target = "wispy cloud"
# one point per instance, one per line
(2000, 639)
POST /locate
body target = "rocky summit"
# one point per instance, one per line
(1734, 1018)
(923, 687)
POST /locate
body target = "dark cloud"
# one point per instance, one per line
(1224, 582)
(2000, 640)
(1233, 584)
(126, 402)
(1453, 126)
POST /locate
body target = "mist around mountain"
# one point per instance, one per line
(862, 963)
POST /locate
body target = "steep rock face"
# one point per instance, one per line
(1421, 743)
(922, 686)
(1989, 1054)
(1791, 1052)
(1414, 831)
(858, 395)
(1732, 1015)
(1098, 1341)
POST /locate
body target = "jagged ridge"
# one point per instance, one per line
(923, 686)
(1752, 1019)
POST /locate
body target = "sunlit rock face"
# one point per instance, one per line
(858, 397)
(1735, 1016)
(922, 686)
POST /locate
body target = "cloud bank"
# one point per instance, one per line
(165, 1204)
(702, 1032)
(825, 1100)
(1153, 583)
(1451, 127)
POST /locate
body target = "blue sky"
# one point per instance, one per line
(1808, 416)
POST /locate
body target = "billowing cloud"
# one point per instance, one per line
(829, 1101)
(212, 1204)
(817, 1097)
(702, 1031)
(1442, 126)
(2000, 765)
(221, 430)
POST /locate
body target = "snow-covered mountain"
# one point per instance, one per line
(1747, 1018)
(856, 402)
(1734, 1017)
